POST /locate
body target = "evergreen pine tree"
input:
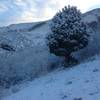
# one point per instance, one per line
(69, 33)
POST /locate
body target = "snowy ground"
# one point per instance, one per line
(81, 82)
(32, 58)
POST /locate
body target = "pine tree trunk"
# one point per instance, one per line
(70, 60)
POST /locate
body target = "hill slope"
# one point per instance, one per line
(78, 83)
(30, 57)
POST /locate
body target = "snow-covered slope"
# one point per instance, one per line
(92, 18)
(24, 55)
(81, 82)
(31, 56)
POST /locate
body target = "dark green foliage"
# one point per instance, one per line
(69, 33)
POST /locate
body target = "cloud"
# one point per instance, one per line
(95, 6)
(19, 2)
(17, 11)
(3, 8)
(84, 5)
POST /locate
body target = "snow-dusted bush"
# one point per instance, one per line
(69, 33)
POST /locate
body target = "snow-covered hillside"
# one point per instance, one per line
(92, 18)
(81, 82)
(30, 57)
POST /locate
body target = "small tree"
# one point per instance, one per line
(69, 33)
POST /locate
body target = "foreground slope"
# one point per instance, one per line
(81, 82)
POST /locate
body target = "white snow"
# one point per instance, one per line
(30, 50)
(81, 82)
(29, 42)
(90, 18)
(32, 58)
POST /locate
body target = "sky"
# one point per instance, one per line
(21, 11)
